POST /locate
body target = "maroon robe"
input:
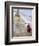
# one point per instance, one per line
(29, 28)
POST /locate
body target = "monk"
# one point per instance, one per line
(29, 28)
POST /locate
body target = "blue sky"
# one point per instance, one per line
(27, 13)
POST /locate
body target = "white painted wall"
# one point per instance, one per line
(2, 13)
